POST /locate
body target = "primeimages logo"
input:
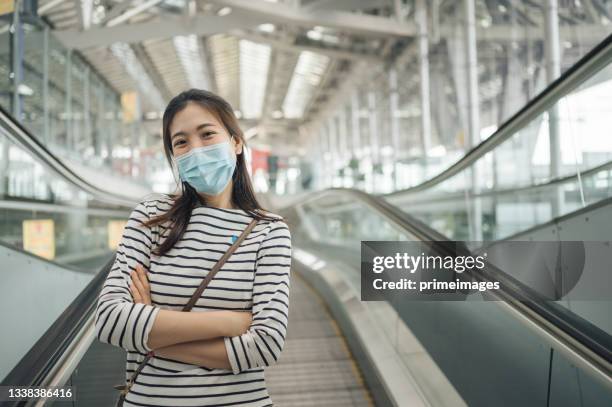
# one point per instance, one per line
(405, 261)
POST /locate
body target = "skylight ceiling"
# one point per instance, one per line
(189, 53)
(225, 55)
(254, 64)
(132, 65)
(306, 77)
(270, 70)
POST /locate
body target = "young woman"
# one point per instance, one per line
(215, 354)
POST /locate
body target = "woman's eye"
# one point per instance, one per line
(178, 143)
(208, 133)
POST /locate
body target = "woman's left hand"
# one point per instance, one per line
(139, 287)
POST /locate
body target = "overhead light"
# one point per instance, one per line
(24, 90)
(277, 114)
(306, 77)
(122, 18)
(188, 51)
(87, 7)
(223, 11)
(267, 27)
(314, 35)
(225, 54)
(320, 36)
(254, 64)
(153, 115)
(98, 14)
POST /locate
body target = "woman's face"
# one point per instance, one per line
(194, 126)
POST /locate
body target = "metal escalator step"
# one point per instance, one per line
(312, 377)
(335, 398)
(316, 367)
(313, 349)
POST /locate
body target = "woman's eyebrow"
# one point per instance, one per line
(201, 126)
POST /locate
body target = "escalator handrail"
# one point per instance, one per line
(34, 368)
(25, 139)
(591, 63)
(450, 196)
(576, 334)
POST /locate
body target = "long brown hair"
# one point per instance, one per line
(243, 195)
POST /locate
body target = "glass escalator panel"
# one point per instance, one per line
(54, 239)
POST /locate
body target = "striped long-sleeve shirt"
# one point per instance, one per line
(255, 278)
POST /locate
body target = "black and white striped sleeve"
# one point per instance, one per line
(263, 343)
(119, 321)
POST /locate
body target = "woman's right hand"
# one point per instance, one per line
(238, 322)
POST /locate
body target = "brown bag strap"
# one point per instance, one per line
(196, 295)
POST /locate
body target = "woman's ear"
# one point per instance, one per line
(237, 145)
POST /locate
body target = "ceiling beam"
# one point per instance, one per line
(243, 15)
(205, 25)
(347, 5)
(593, 33)
(283, 45)
(122, 18)
(344, 21)
(169, 27)
(116, 11)
(48, 6)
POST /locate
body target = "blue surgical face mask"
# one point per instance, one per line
(208, 169)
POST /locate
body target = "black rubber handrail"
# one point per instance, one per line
(20, 135)
(40, 259)
(451, 196)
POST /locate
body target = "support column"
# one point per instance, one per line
(86, 113)
(394, 124)
(109, 127)
(331, 168)
(475, 204)
(16, 54)
(98, 124)
(355, 126)
(343, 134)
(421, 21)
(46, 137)
(331, 134)
(553, 70)
(68, 106)
(15, 64)
(373, 125)
(114, 136)
(374, 137)
(472, 74)
(321, 170)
